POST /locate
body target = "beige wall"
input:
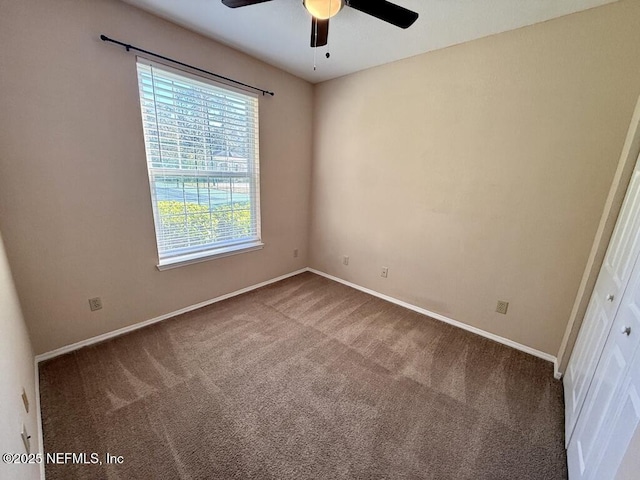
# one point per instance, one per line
(75, 207)
(478, 172)
(17, 372)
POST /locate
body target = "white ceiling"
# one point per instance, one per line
(278, 32)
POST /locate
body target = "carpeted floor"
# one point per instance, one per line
(304, 379)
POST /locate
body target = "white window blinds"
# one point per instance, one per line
(201, 141)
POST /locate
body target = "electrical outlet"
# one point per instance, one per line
(25, 400)
(95, 304)
(345, 260)
(385, 272)
(502, 307)
(295, 253)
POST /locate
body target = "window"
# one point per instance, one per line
(201, 140)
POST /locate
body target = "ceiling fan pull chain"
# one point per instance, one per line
(315, 43)
(328, 54)
(314, 59)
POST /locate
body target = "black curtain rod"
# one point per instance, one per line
(104, 38)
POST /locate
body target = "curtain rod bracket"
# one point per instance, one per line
(128, 47)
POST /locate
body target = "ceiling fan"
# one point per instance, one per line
(322, 10)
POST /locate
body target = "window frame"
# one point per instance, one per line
(206, 252)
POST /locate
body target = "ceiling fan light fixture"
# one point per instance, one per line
(323, 9)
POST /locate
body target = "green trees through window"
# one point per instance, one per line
(191, 220)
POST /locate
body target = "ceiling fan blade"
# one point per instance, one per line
(385, 11)
(319, 32)
(241, 3)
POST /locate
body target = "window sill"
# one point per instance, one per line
(182, 260)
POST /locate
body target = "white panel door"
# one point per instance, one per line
(603, 306)
(611, 408)
(624, 425)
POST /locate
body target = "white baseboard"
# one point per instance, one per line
(437, 316)
(505, 341)
(121, 331)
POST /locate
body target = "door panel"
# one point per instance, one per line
(617, 265)
(595, 323)
(625, 424)
(584, 443)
